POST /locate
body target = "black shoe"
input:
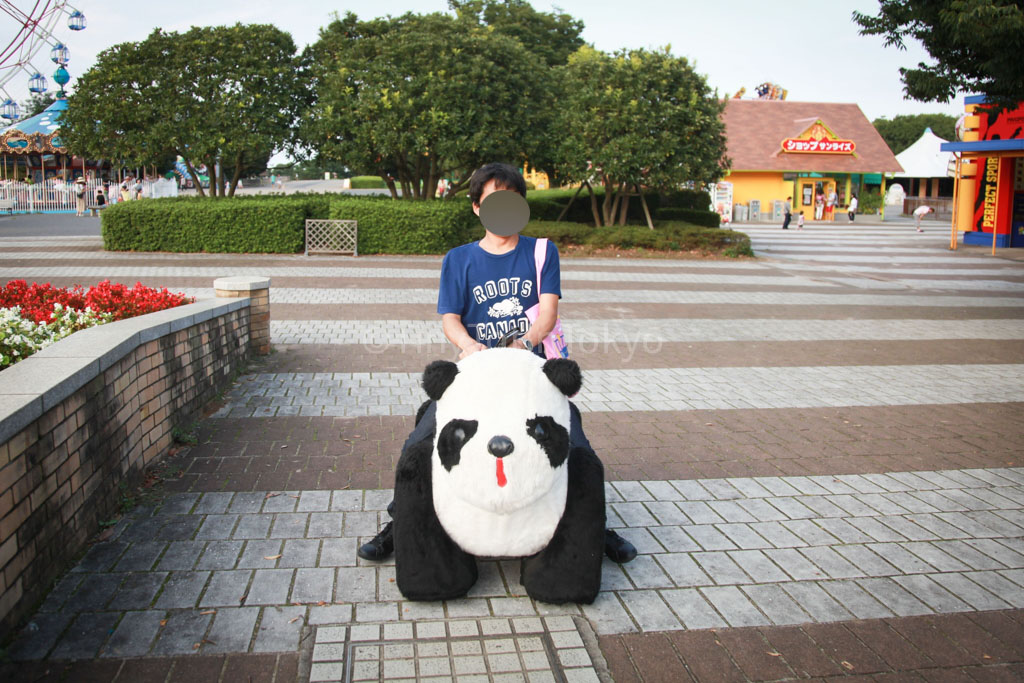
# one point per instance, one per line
(382, 545)
(617, 548)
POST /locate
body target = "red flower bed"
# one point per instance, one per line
(37, 300)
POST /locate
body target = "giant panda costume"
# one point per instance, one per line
(498, 477)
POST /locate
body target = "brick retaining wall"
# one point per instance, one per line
(83, 418)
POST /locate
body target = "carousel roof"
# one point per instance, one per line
(42, 123)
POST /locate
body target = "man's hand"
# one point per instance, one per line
(471, 349)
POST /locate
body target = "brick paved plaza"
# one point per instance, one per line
(818, 454)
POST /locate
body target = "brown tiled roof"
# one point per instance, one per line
(755, 130)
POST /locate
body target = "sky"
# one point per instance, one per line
(809, 47)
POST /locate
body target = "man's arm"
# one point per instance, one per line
(456, 333)
(544, 323)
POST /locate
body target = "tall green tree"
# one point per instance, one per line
(976, 44)
(637, 119)
(904, 130)
(418, 98)
(550, 36)
(226, 96)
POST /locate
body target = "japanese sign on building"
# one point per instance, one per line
(818, 139)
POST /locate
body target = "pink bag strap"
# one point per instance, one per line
(540, 253)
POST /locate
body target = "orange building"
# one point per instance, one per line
(781, 148)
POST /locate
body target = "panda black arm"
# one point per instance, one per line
(428, 564)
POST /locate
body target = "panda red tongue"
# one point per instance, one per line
(501, 472)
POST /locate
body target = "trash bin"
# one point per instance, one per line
(739, 213)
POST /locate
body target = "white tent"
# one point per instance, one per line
(924, 159)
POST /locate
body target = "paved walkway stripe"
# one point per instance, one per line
(641, 330)
(343, 394)
(207, 568)
(309, 295)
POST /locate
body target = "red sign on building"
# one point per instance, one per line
(798, 146)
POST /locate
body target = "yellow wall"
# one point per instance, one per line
(765, 186)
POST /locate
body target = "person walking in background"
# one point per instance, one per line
(80, 197)
(819, 204)
(137, 189)
(830, 205)
(800, 221)
(787, 213)
(101, 198)
(851, 210)
(919, 213)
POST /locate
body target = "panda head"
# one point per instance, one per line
(502, 436)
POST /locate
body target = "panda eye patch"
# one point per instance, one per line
(551, 436)
(453, 437)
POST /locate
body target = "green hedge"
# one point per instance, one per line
(368, 182)
(667, 236)
(708, 219)
(250, 224)
(387, 226)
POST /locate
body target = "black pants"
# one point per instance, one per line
(785, 221)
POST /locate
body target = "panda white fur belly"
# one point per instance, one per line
(499, 470)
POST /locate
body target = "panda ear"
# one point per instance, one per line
(438, 376)
(564, 374)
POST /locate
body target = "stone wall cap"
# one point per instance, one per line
(242, 283)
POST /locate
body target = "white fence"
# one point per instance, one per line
(56, 196)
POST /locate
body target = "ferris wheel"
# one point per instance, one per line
(35, 25)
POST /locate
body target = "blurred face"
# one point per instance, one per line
(490, 187)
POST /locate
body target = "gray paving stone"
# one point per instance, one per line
(289, 525)
(822, 507)
(346, 501)
(699, 512)
(692, 609)
(325, 524)
(182, 590)
(86, 634)
(761, 510)
(942, 561)
(795, 564)
(184, 630)
(140, 556)
(810, 532)
(181, 555)
(280, 501)
(355, 584)
(749, 488)
(757, 565)
(314, 501)
(776, 605)
(634, 514)
(178, 504)
(220, 555)
(855, 600)
(608, 616)
(644, 572)
(256, 554)
(938, 501)
(180, 528)
(270, 587)
(778, 535)
(962, 521)
(894, 597)
(852, 506)
(815, 601)
(330, 614)
(792, 508)
(932, 594)
(40, 635)
(213, 503)
(376, 611)
(709, 538)
(101, 557)
(661, 490)
(232, 630)
(674, 539)
(300, 552)
(690, 489)
(683, 570)
(227, 588)
(968, 555)
(844, 531)
(830, 562)
(997, 551)
(998, 585)
(776, 486)
(279, 629)
(361, 524)
(338, 552)
(138, 590)
(649, 610)
(910, 503)
(313, 585)
(721, 568)
(875, 529)
(859, 483)
(897, 556)
(908, 529)
(867, 561)
(216, 527)
(721, 489)
(134, 635)
(743, 536)
(805, 485)
(248, 502)
(734, 606)
(94, 592)
(666, 513)
(937, 526)
(632, 491)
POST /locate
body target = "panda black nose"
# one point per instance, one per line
(500, 446)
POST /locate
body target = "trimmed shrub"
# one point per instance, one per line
(252, 224)
(368, 182)
(687, 199)
(544, 209)
(387, 226)
(708, 219)
(669, 236)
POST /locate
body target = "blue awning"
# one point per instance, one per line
(984, 146)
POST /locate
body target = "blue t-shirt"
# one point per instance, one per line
(493, 292)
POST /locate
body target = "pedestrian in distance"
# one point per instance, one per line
(830, 205)
(80, 197)
(800, 221)
(819, 204)
(919, 213)
(787, 213)
(851, 210)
